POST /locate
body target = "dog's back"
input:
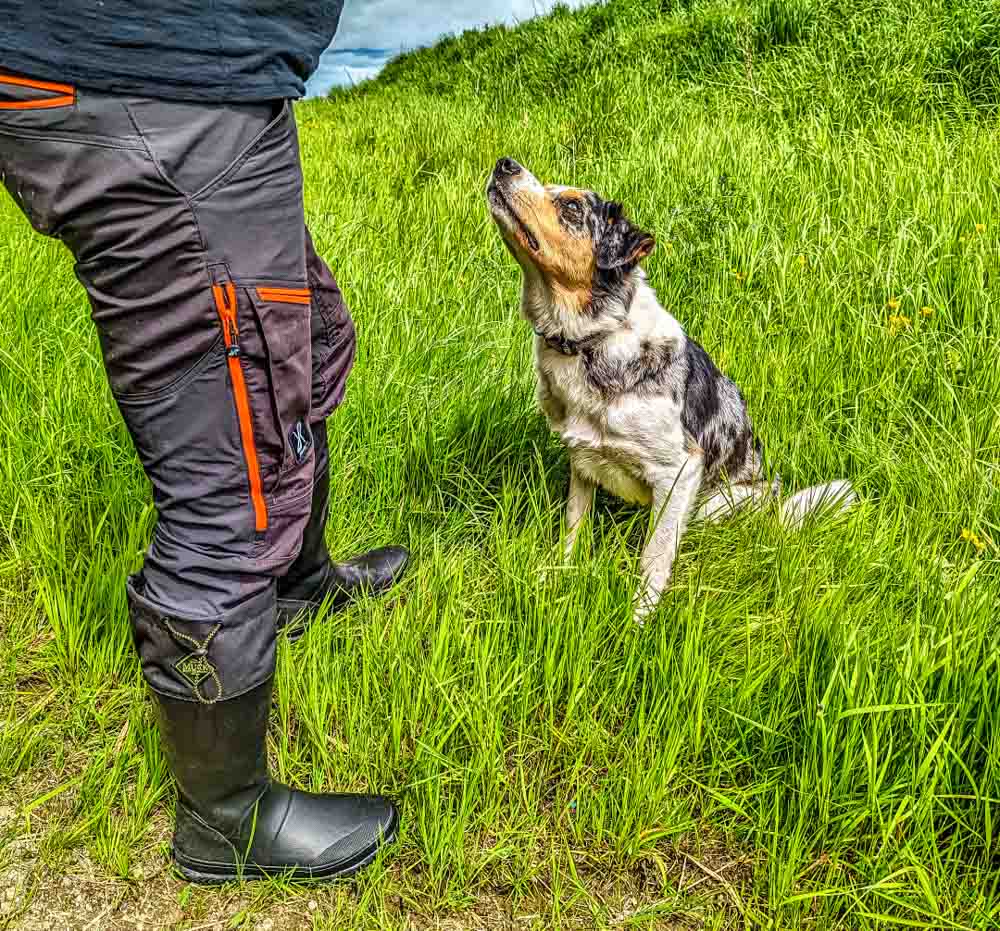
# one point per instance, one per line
(716, 420)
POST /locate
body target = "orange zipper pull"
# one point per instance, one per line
(225, 304)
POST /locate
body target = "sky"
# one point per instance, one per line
(372, 31)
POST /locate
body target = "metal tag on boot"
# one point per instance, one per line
(196, 667)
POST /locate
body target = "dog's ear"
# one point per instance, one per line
(621, 245)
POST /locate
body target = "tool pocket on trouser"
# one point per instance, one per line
(228, 449)
(266, 331)
(334, 340)
(187, 438)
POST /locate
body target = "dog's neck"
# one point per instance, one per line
(570, 330)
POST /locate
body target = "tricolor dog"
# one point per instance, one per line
(641, 407)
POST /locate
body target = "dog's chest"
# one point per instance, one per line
(621, 443)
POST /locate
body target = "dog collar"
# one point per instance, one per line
(568, 347)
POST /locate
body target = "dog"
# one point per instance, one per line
(642, 409)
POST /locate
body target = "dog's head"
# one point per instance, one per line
(578, 245)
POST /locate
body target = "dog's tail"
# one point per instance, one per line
(827, 500)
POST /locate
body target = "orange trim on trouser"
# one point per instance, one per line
(66, 94)
(285, 295)
(225, 303)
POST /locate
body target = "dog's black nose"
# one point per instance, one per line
(507, 166)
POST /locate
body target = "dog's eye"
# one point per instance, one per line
(571, 210)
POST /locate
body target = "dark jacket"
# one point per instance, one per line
(200, 50)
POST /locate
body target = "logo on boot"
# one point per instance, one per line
(195, 668)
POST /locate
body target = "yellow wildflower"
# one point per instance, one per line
(980, 228)
(892, 304)
(803, 261)
(739, 275)
(926, 311)
(898, 322)
(972, 538)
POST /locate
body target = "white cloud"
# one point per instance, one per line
(349, 67)
(395, 25)
(399, 24)
(345, 74)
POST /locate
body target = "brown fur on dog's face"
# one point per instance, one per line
(581, 245)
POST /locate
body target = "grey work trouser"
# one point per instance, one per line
(225, 339)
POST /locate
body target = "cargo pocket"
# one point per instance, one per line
(266, 331)
(334, 337)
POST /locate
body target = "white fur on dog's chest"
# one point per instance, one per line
(622, 444)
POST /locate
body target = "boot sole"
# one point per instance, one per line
(217, 874)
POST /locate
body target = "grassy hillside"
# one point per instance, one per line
(844, 58)
(808, 733)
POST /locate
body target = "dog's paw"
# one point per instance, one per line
(550, 570)
(560, 559)
(643, 610)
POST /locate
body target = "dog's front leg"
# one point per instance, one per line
(674, 496)
(581, 498)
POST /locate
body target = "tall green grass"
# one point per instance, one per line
(813, 717)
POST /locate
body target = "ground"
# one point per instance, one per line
(807, 733)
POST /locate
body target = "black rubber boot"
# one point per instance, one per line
(234, 823)
(314, 578)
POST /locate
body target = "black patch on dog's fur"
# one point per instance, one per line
(738, 452)
(714, 412)
(620, 243)
(619, 246)
(607, 294)
(715, 417)
(701, 391)
(646, 373)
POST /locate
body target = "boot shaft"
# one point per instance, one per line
(217, 754)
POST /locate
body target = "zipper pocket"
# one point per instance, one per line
(285, 295)
(64, 94)
(225, 304)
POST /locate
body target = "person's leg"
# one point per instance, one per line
(186, 223)
(313, 578)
